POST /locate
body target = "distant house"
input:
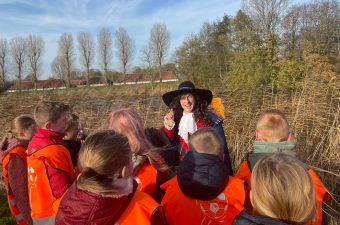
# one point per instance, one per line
(145, 78)
(98, 80)
(45, 85)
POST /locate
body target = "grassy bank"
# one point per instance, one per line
(313, 113)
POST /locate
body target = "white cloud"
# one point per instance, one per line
(52, 18)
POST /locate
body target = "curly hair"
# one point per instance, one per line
(200, 109)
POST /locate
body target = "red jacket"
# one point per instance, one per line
(80, 207)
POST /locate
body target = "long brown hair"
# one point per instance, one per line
(200, 109)
(101, 160)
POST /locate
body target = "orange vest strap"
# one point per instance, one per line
(19, 151)
(140, 209)
(146, 178)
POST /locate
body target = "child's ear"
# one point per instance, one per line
(47, 125)
(258, 136)
(290, 137)
(127, 170)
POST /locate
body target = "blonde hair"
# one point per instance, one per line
(282, 189)
(273, 126)
(128, 122)
(49, 111)
(101, 159)
(206, 140)
(22, 123)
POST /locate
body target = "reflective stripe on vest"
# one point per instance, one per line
(44, 221)
(139, 210)
(182, 210)
(19, 151)
(39, 189)
(146, 178)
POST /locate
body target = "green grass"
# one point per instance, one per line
(6, 217)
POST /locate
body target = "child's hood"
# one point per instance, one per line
(202, 176)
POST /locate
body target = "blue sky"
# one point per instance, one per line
(51, 18)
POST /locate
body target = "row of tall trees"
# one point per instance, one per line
(62, 65)
(22, 53)
(266, 43)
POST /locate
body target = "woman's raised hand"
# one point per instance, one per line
(169, 118)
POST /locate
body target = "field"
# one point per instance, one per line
(314, 116)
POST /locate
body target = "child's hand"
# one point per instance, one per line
(169, 118)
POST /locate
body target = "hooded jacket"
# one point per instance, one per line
(202, 176)
(203, 192)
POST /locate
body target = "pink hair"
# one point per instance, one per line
(128, 122)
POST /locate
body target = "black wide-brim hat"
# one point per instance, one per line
(187, 87)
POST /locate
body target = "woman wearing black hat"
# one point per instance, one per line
(189, 112)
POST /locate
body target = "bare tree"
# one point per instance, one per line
(291, 27)
(160, 43)
(86, 49)
(35, 48)
(66, 51)
(148, 60)
(105, 51)
(58, 69)
(18, 52)
(267, 15)
(125, 48)
(3, 61)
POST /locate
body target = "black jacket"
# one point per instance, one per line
(245, 218)
(202, 176)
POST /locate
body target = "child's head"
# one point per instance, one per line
(104, 157)
(282, 189)
(272, 126)
(72, 128)
(206, 140)
(52, 116)
(24, 126)
(157, 137)
(128, 122)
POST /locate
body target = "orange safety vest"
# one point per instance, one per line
(146, 178)
(42, 201)
(180, 209)
(321, 196)
(139, 210)
(19, 151)
(321, 193)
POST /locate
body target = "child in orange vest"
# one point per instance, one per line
(282, 192)
(50, 169)
(14, 167)
(147, 161)
(203, 192)
(273, 136)
(105, 191)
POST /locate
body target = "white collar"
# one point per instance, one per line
(187, 126)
